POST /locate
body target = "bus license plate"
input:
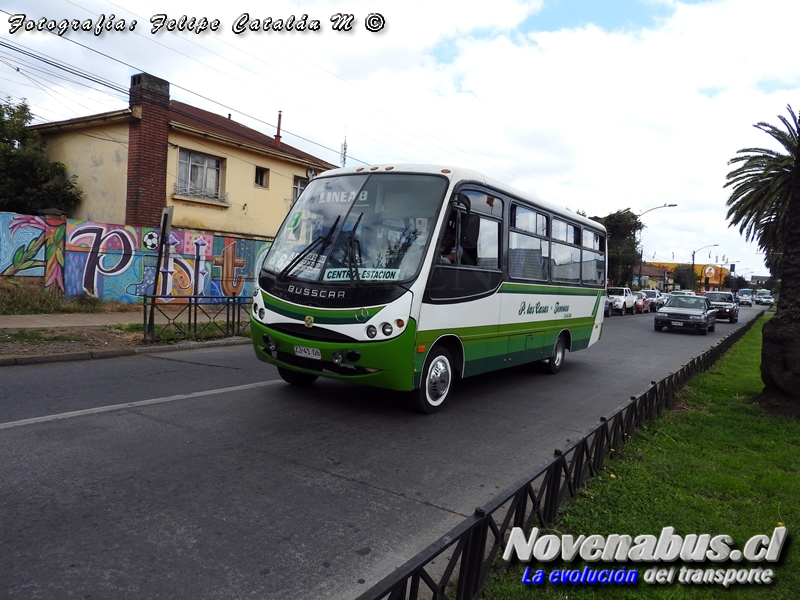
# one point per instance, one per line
(676, 324)
(308, 352)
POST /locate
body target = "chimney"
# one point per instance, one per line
(148, 136)
(278, 134)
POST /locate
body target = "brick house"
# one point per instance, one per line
(220, 176)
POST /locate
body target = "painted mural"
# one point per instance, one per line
(120, 262)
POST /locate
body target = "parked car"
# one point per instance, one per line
(726, 305)
(624, 302)
(687, 312)
(745, 297)
(642, 303)
(657, 299)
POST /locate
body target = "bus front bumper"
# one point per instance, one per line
(385, 364)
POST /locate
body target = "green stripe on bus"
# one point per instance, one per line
(320, 315)
(526, 288)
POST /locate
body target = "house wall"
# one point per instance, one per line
(99, 157)
(250, 209)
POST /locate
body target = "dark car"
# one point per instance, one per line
(726, 305)
(609, 309)
(687, 312)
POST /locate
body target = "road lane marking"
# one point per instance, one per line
(113, 407)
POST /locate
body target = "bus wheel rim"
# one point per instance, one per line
(438, 383)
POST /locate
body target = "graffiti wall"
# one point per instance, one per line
(119, 262)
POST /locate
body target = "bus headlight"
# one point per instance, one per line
(387, 329)
(371, 331)
(261, 313)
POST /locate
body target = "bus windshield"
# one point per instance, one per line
(363, 227)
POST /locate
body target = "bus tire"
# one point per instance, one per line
(437, 382)
(555, 362)
(296, 378)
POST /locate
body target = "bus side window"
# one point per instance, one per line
(488, 244)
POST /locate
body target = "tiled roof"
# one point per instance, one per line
(217, 124)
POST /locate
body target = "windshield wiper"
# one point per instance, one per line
(321, 241)
(349, 250)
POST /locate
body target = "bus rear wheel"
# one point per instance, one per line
(296, 378)
(437, 382)
(555, 362)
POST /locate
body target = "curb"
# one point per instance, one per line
(39, 359)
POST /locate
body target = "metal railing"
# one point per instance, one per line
(195, 317)
(535, 499)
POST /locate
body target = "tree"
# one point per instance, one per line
(685, 277)
(765, 203)
(623, 257)
(29, 182)
(735, 282)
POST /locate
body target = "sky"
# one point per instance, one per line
(594, 105)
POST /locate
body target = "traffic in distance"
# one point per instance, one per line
(408, 277)
(683, 309)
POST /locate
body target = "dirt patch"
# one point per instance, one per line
(29, 342)
(775, 403)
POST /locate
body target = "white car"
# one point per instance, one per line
(623, 298)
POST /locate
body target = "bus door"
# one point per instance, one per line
(461, 297)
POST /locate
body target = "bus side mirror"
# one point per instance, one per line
(463, 200)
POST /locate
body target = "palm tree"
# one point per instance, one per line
(765, 203)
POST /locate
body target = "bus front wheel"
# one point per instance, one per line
(437, 382)
(296, 378)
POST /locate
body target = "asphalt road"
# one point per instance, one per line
(200, 474)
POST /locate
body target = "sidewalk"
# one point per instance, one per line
(43, 352)
(70, 320)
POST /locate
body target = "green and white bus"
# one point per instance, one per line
(357, 286)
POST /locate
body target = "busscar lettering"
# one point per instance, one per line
(314, 293)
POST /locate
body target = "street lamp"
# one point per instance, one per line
(641, 251)
(694, 277)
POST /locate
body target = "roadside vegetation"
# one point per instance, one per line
(17, 299)
(724, 460)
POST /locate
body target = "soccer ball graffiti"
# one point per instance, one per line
(150, 240)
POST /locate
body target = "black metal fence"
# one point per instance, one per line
(195, 317)
(535, 499)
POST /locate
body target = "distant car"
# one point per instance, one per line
(765, 300)
(745, 297)
(682, 293)
(657, 299)
(726, 305)
(687, 312)
(609, 310)
(642, 303)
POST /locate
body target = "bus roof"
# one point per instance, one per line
(462, 174)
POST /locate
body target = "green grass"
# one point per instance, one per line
(171, 333)
(716, 464)
(38, 336)
(17, 299)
